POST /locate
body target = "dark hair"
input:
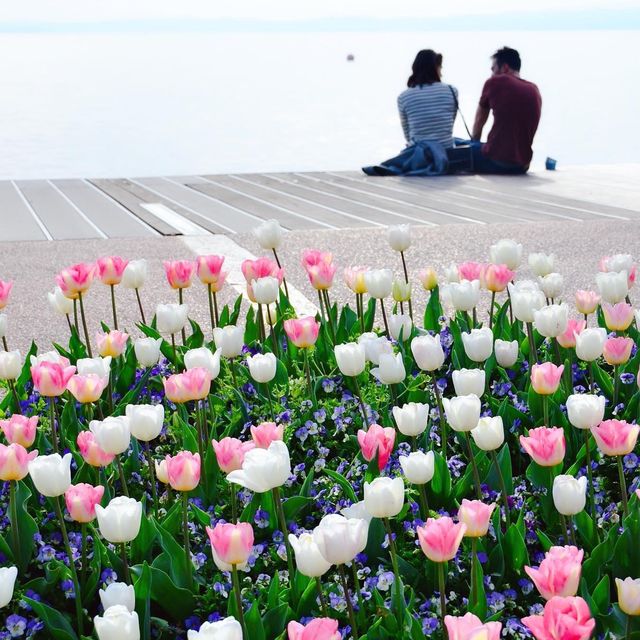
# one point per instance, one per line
(507, 56)
(426, 68)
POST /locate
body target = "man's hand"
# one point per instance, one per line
(481, 118)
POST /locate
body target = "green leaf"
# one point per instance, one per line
(175, 555)
(515, 549)
(275, 620)
(177, 602)
(439, 489)
(54, 621)
(601, 595)
(27, 526)
(255, 628)
(586, 530)
(478, 598)
(344, 483)
(504, 461)
(294, 505)
(433, 311)
(142, 587)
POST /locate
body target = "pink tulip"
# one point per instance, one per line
(19, 429)
(476, 515)
(110, 269)
(209, 269)
(497, 277)
(471, 271)
(261, 268)
(87, 388)
(605, 265)
(232, 543)
(563, 619)
(5, 290)
(321, 275)
(51, 378)
(264, 434)
(81, 501)
(587, 301)
(545, 378)
(76, 279)
(567, 339)
(193, 384)
(468, 626)
(559, 572)
(111, 344)
(617, 350)
(377, 439)
(183, 470)
(14, 461)
(179, 273)
(316, 629)
(440, 538)
(314, 257)
(354, 279)
(617, 317)
(230, 453)
(616, 437)
(545, 445)
(428, 278)
(161, 471)
(91, 452)
(303, 332)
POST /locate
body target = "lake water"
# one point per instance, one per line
(105, 105)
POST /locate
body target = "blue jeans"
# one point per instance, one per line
(482, 164)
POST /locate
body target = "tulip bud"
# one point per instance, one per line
(585, 410)
(264, 434)
(76, 279)
(19, 429)
(470, 627)
(81, 500)
(14, 461)
(309, 560)
(545, 378)
(145, 420)
(209, 270)
(51, 474)
(110, 269)
(615, 437)
(427, 352)
(463, 412)
(118, 593)
(525, 301)
(264, 469)
(489, 434)
(135, 274)
(429, 278)
(377, 440)
(477, 516)
(551, 285)
(113, 434)
(469, 381)
(569, 494)
(100, 367)
(50, 378)
(567, 339)
(87, 388)
(384, 497)
(545, 445)
(354, 279)
(226, 629)
(183, 470)
(418, 467)
(59, 302)
(161, 471)
(628, 595)
(440, 538)
(10, 365)
(399, 236)
(8, 577)
(379, 283)
(586, 301)
(497, 277)
(451, 273)
(120, 520)
(229, 340)
(465, 294)
(391, 369)
(401, 290)
(613, 286)
(551, 321)
(340, 539)
(179, 273)
(111, 344)
(590, 344)
(230, 453)
(374, 346)
(262, 367)
(541, 263)
(171, 318)
(507, 252)
(617, 317)
(117, 623)
(506, 352)
(269, 234)
(478, 344)
(412, 418)
(350, 358)
(265, 290)
(400, 323)
(303, 332)
(231, 545)
(617, 351)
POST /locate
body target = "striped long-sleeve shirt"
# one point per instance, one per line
(427, 112)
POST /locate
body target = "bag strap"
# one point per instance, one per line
(458, 110)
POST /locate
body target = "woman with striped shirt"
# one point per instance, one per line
(428, 107)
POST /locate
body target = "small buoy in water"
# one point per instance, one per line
(351, 57)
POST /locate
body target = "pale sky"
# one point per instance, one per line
(107, 10)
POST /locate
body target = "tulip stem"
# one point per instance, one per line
(321, 303)
(623, 487)
(213, 323)
(75, 313)
(565, 528)
(152, 479)
(15, 534)
(406, 279)
(592, 383)
(323, 600)
(510, 305)
(12, 386)
(285, 532)
(232, 366)
(238, 596)
(234, 503)
(360, 307)
(266, 384)
(356, 584)
(307, 371)
(493, 302)
(627, 633)
(215, 309)
(72, 565)
(113, 305)
(473, 592)
(52, 420)
(503, 489)
(572, 533)
(144, 321)
(443, 419)
(399, 596)
(359, 394)
(180, 301)
(185, 533)
(533, 353)
(201, 422)
(352, 615)
(384, 318)
(474, 467)
(592, 500)
(173, 346)
(274, 338)
(66, 315)
(616, 387)
(545, 410)
(261, 332)
(327, 304)
(83, 574)
(123, 481)
(125, 562)
(284, 281)
(423, 501)
(443, 596)
(84, 326)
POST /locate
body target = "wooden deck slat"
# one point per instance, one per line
(103, 211)
(60, 218)
(16, 220)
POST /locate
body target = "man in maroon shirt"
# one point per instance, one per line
(516, 106)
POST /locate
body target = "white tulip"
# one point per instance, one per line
(525, 302)
(227, 629)
(618, 262)
(135, 274)
(613, 286)
(262, 367)
(401, 290)
(113, 434)
(145, 420)
(399, 236)
(269, 234)
(569, 494)
(266, 290)
(117, 623)
(8, 577)
(585, 410)
(590, 343)
(171, 318)
(506, 352)
(120, 520)
(412, 418)
(551, 285)
(541, 263)
(357, 510)
(463, 412)
(340, 539)
(391, 369)
(202, 358)
(309, 560)
(507, 252)
(384, 497)
(229, 340)
(263, 469)
(350, 358)
(427, 352)
(489, 434)
(47, 356)
(374, 346)
(551, 321)
(59, 302)
(464, 294)
(118, 593)
(379, 283)
(10, 365)
(400, 322)
(51, 474)
(478, 344)
(418, 467)
(467, 381)
(451, 273)
(100, 367)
